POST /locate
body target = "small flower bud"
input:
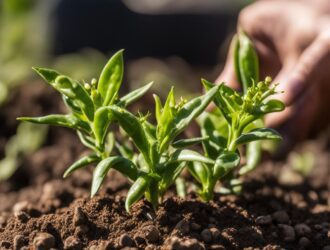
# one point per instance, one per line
(268, 80)
(94, 82)
(87, 86)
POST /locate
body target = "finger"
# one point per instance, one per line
(297, 120)
(228, 74)
(311, 67)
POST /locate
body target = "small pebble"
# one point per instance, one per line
(195, 227)
(18, 242)
(152, 234)
(79, 217)
(43, 241)
(318, 227)
(217, 247)
(126, 241)
(81, 230)
(206, 235)
(281, 217)
(150, 247)
(287, 232)
(138, 238)
(264, 220)
(215, 233)
(184, 244)
(5, 244)
(22, 216)
(304, 242)
(20, 206)
(182, 227)
(72, 243)
(302, 229)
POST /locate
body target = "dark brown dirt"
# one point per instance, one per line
(39, 210)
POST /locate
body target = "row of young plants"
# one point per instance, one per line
(149, 149)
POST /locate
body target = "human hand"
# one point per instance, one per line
(292, 39)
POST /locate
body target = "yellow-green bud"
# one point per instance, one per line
(87, 86)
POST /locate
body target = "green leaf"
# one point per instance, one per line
(47, 74)
(69, 88)
(253, 156)
(75, 91)
(158, 108)
(258, 134)
(134, 95)
(248, 61)
(137, 190)
(216, 142)
(226, 162)
(192, 109)
(269, 107)
(123, 165)
(199, 171)
(169, 173)
(69, 121)
(189, 155)
(166, 121)
(86, 140)
(71, 104)
(103, 118)
(86, 160)
(234, 47)
(111, 78)
(218, 100)
(132, 126)
(189, 142)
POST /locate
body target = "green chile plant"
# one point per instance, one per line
(86, 104)
(238, 121)
(160, 158)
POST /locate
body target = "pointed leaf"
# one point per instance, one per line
(169, 173)
(111, 78)
(199, 171)
(86, 160)
(134, 95)
(103, 118)
(48, 74)
(158, 108)
(269, 107)
(165, 124)
(258, 134)
(189, 142)
(189, 155)
(123, 165)
(218, 100)
(132, 126)
(75, 91)
(226, 162)
(248, 61)
(192, 109)
(137, 190)
(253, 156)
(69, 121)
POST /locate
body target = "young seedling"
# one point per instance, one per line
(86, 103)
(160, 159)
(239, 122)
